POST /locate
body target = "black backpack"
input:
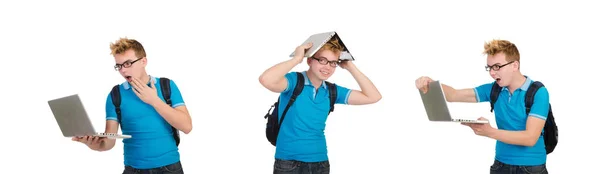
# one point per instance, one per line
(273, 123)
(165, 86)
(550, 133)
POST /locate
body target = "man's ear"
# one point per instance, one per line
(517, 65)
(144, 61)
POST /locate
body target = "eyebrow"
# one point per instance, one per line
(327, 59)
(495, 64)
(128, 60)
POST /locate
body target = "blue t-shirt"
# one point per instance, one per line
(152, 144)
(301, 136)
(510, 115)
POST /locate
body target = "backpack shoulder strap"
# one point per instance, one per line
(332, 95)
(165, 87)
(297, 90)
(115, 95)
(494, 95)
(299, 86)
(533, 88)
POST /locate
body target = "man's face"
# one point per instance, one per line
(323, 63)
(129, 65)
(501, 70)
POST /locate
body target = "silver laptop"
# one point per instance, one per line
(436, 105)
(73, 119)
(319, 40)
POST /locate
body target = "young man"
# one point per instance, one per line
(144, 115)
(301, 146)
(520, 146)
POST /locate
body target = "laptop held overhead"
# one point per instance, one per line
(320, 39)
(73, 119)
(436, 105)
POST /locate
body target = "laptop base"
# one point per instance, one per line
(470, 121)
(112, 135)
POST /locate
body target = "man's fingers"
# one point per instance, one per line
(95, 140)
(136, 92)
(89, 139)
(136, 84)
(424, 85)
(308, 45)
(78, 139)
(83, 139)
(136, 87)
(139, 83)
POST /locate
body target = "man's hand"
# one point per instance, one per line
(347, 65)
(145, 93)
(93, 142)
(422, 83)
(300, 50)
(482, 129)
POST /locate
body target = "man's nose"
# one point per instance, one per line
(492, 72)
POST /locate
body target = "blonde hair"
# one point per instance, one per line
(333, 45)
(502, 46)
(124, 44)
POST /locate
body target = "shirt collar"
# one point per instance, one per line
(307, 81)
(127, 86)
(523, 87)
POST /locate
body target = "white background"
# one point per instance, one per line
(216, 52)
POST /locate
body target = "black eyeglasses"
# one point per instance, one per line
(126, 64)
(496, 67)
(324, 61)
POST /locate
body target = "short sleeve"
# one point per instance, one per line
(482, 92)
(176, 97)
(343, 94)
(111, 113)
(292, 79)
(541, 104)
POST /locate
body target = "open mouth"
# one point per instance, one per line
(498, 80)
(128, 78)
(325, 73)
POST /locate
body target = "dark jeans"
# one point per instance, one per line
(174, 168)
(501, 168)
(299, 167)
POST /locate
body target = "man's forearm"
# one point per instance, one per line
(366, 85)
(522, 138)
(278, 71)
(178, 119)
(449, 92)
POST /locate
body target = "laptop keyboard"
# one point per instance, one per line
(107, 134)
(464, 120)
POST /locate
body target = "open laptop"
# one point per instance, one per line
(319, 40)
(73, 119)
(436, 105)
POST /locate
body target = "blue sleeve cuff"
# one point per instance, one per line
(178, 104)
(287, 88)
(476, 94)
(538, 116)
(112, 118)
(347, 97)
